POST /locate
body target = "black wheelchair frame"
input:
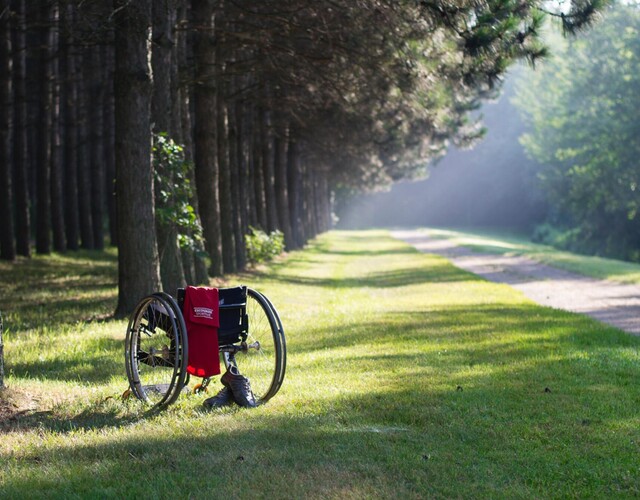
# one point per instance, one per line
(250, 338)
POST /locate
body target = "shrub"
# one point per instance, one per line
(261, 246)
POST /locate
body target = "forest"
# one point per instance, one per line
(171, 128)
(558, 163)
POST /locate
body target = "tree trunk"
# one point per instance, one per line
(205, 147)
(267, 172)
(7, 245)
(98, 167)
(282, 191)
(294, 185)
(57, 203)
(324, 202)
(311, 205)
(238, 186)
(71, 208)
(85, 171)
(138, 267)
(226, 206)
(248, 140)
(192, 259)
(258, 171)
(164, 14)
(21, 186)
(109, 156)
(1, 355)
(43, 167)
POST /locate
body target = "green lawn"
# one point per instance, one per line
(406, 378)
(508, 243)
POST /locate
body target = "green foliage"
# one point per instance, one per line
(582, 109)
(262, 247)
(173, 191)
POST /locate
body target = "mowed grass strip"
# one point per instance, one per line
(406, 378)
(511, 244)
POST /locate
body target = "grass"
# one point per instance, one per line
(406, 378)
(510, 244)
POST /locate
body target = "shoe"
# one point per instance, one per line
(223, 398)
(240, 387)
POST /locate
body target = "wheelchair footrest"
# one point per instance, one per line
(162, 388)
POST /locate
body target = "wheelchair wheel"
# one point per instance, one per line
(263, 361)
(156, 350)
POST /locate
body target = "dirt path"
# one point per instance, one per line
(612, 303)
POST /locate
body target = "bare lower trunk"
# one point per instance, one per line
(138, 267)
(84, 153)
(71, 209)
(23, 216)
(1, 356)
(267, 176)
(282, 191)
(294, 185)
(98, 165)
(237, 182)
(7, 246)
(205, 147)
(57, 180)
(226, 206)
(43, 167)
(164, 13)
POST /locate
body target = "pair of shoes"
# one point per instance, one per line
(223, 398)
(239, 387)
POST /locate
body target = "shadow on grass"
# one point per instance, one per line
(435, 273)
(96, 361)
(481, 333)
(500, 432)
(501, 392)
(59, 289)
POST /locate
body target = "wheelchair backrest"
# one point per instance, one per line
(233, 317)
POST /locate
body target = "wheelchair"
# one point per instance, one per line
(250, 338)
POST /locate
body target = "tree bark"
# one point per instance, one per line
(226, 205)
(258, 171)
(164, 14)
(43, 167)
(281, 189)
(7, 244)
(205, 147)
(20, 160)
(84, 152)
(238, 185)
(71, 208)
(249, 166)
(57, 203)
(138, 267)
(109, 157)
(267, 172)
(294, 185)
(97, 146)
(1, 355)
(192, 259)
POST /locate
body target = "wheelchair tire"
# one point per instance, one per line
(156, 350)
(263, 363)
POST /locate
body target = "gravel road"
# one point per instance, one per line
(612, 303)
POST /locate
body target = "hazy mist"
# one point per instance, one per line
(491, 185)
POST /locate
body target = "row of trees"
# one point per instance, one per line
(581, 107)
(275, 104)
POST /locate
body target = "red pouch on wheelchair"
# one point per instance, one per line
(202, 317)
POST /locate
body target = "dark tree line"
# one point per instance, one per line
(276, 104)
